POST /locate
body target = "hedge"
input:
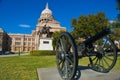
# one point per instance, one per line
(42, 52)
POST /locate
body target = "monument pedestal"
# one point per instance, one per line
(45, 44)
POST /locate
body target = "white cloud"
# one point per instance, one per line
(24, 25)
(111, 21)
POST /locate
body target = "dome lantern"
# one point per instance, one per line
(46, 10)
(46, 14)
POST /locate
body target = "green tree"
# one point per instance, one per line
(116, 24)
(55, 36)
(116, 35)
(118, 4)
(86, 26)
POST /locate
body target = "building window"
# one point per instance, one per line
(29, 44)
(0, 44)
(29, 39)
(25, 49)
(17, 48)
(17, 43)
(1, 36)
(45, 42)
(29, 49)
(33, 48)
(33, 44)
(33, 39)
(25, 39)
(25, 43)
(17, 38)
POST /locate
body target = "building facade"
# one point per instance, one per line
(22, 42)
(28, 42)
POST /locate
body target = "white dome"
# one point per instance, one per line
(46, 10)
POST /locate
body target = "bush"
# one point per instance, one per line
(42, 52)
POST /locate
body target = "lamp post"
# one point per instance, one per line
(19, 52)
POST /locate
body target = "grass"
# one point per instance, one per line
(24, 67)
(85, 61)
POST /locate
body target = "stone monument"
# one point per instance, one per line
(46, 26)
(45, 39)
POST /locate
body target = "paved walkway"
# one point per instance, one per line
(85, 74)
(10, 55)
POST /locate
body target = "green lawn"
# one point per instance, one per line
(24, 67)
(85, 61)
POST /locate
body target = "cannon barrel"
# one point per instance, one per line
(97, 36)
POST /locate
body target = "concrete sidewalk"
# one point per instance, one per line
(86, 74)
(10, 55)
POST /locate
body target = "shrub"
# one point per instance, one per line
(42, 52)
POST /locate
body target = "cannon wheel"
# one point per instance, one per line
(106, 55)
(66, 56)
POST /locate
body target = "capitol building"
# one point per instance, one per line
(37, 40)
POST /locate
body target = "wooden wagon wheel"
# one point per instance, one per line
(106, 55)
(66, 56)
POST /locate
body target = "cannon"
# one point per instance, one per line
(100, 49)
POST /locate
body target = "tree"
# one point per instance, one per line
(116, 24)
(118, 4)
(86, 26)
(55, 36)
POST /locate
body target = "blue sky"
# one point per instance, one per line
(21, 16)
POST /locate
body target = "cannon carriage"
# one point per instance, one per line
(100, 50)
